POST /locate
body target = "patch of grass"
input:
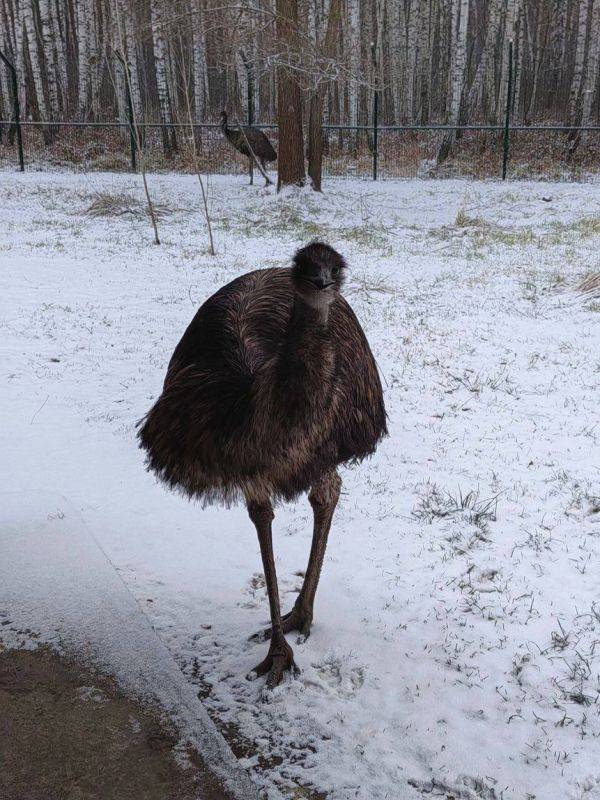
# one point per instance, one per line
(463, 220)
(107, 204)
(438, 503)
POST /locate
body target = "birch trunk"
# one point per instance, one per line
(82, 15)
(131, 54)
(58, 20)
(460, 22)
(512, 12)
(579, 65)
(593, 66)
(160, 66)
(199, 60)
(49, 48)
(396, 35)
(34, 62)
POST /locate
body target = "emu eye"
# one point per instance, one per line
(335, 270)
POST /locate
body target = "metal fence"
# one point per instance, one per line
(368, 152)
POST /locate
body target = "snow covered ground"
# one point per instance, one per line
(456, 648)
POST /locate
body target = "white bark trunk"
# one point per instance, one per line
(353, 44)
(593, 66)
(460, 22)
(579, 65)
(512, 12)
(82, 17)
(396, 49)
(199, 57)
(127, 34)
(160, 62)
(32, 47)
(49, 49)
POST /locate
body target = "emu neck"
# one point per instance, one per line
(310, 311)
(306, 363)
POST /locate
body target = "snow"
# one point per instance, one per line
(455, 645)
(58, 588)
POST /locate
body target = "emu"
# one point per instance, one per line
(271, 388)
(240, 138)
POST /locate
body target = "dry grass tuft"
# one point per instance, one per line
(106, 204)
(590, 285)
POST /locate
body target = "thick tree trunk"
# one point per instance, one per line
(290, 159)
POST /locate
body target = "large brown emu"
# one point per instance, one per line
(272, 386)
(243, 137)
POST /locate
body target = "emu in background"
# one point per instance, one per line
(250, 142)
(271, 388)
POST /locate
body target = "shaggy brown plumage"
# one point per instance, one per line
(243, 136)
(272, 386)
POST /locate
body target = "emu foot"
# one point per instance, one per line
(279, 658)
(298, 619)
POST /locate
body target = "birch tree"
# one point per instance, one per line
(593, 66)
(460, 21)
(83, 12)
(579, 65)
(49, 49)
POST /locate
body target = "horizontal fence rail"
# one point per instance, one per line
(362, 151)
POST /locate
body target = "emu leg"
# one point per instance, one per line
(264, 166)
(323, 498)
(280, 656)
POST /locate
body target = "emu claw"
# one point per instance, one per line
(279, 658)
(295, 620)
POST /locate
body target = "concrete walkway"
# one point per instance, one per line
(58, 587)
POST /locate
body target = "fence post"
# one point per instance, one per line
(375, 112)
(507, 112)
(132, 136)
(250, 107)
(16, 109)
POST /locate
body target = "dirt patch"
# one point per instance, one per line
(67, 733)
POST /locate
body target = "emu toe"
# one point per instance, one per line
(298, 619)
(279, 658)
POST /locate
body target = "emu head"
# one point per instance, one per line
(318, 273)
(223, 117)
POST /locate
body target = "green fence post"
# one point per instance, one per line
(507, 112)
(250, 104)
(375, 113)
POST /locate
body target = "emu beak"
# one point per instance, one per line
(321, 281)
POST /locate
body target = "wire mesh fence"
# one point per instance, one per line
(535, 152)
